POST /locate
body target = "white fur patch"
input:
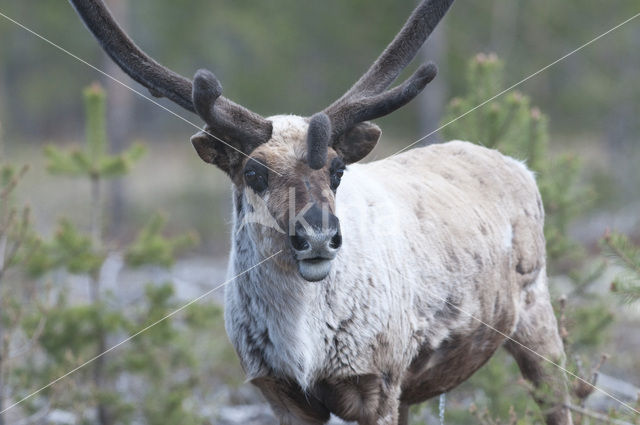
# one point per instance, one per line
(424, 226)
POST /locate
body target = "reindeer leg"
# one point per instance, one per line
(389, 407)
(538, 331)
(403, 414)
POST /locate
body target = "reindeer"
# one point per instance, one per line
(397, 279)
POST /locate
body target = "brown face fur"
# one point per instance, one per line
(292, 203)
(292, 185)
(283, 162)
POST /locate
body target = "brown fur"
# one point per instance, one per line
(502, 285)
(313, 187)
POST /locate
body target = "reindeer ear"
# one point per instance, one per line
(204, 147)
(357, 142)
(215, 152)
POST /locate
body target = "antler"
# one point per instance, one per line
(369, 98)
(235, 124)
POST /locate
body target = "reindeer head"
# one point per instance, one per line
(285, 167)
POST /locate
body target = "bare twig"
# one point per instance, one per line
(30, 344)
(38, 416)
(595, 415)
(596, 368)
(6, 191)
(583, 388)
(562, 323)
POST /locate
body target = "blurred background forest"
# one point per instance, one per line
(144, 208)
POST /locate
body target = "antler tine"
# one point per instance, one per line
(318, 137)
(356, 110)
(230, 121)
(367, 99)
(401, 51)
(236, 124)
(160, 81)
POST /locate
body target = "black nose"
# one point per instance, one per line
(311, 243)
(336, 240)
(298, 242)
(313, 239)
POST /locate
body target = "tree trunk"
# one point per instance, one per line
(119, 118)
(503, 27)
(3, 350)
(2, 388)
(431, 103)
(119, 124)
(3, 109)
(104, 416)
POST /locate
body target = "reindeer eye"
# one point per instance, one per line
(336, 175)
(335, 172)
(256, 179)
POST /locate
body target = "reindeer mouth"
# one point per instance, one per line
(314, 269)
(316, 260)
